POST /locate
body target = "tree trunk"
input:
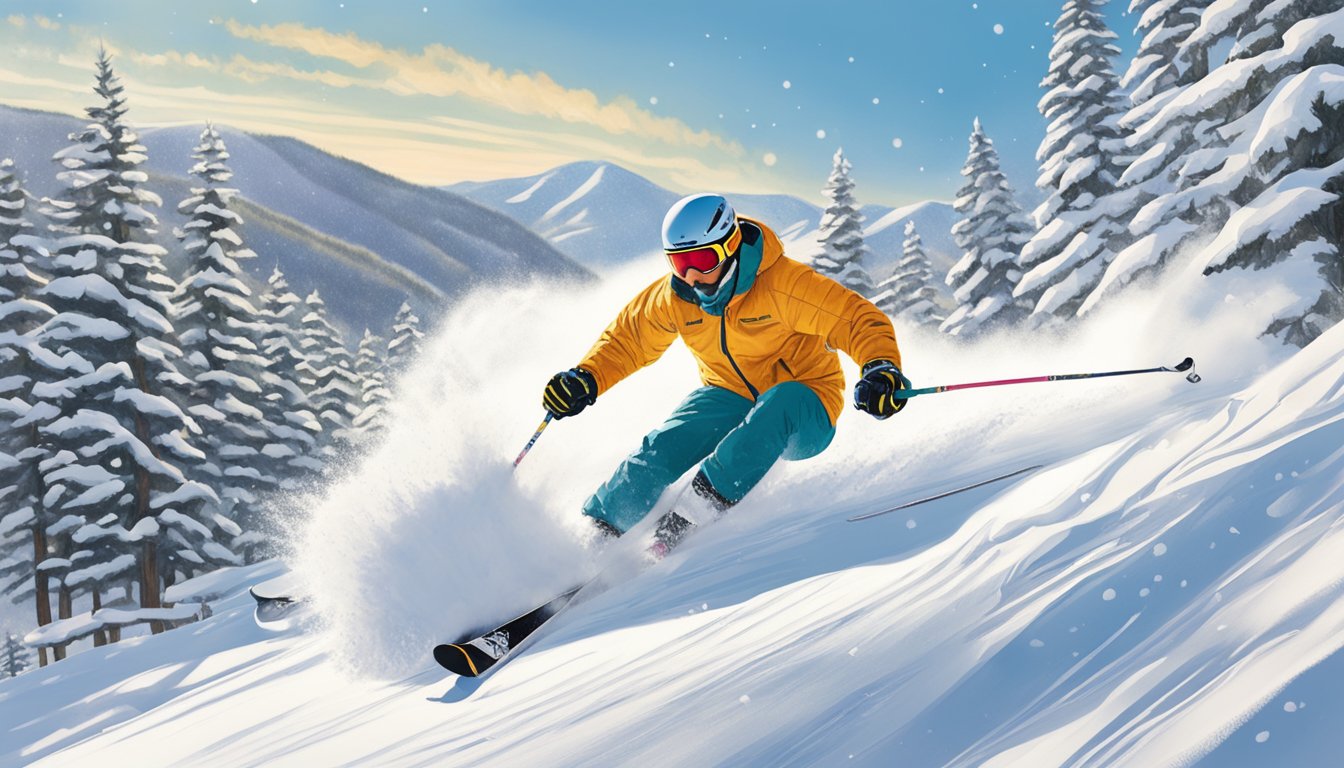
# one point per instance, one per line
(41, 588)
(99, 637)
(64, 610)
(150, 596)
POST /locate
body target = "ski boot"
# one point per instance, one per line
(700, 504)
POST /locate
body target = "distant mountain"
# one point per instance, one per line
(600, 214)
(365, 240)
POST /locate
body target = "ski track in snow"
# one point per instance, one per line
(1153, 596)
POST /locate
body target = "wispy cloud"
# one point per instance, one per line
(526, 123)
(21, 21)
(173, 59)
(441, 71)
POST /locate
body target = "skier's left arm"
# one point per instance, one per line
(815, 304)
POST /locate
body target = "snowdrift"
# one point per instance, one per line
(1166, 591)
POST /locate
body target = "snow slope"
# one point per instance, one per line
(1166, 591)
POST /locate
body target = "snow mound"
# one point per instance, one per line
(1157, 595)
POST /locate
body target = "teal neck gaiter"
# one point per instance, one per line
(722, 292)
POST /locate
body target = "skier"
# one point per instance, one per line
(764, 330)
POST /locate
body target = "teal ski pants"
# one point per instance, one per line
(734, 440)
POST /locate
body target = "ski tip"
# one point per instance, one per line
(262, 599)
(461, 659)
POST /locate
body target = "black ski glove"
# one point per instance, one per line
(569, 392)
(876, 391)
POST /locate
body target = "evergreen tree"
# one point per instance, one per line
(371, 422)
(23, 521)
(1064, 260)
(909, 292)
(287, 402)
(1288, 120)
(406, 343)
(1249, 159)
(221, 331)
(1162, 62)
(14, 658)
(991, 234)
(115, 441)
(329, 376)
(841, 232)
(1159, 135)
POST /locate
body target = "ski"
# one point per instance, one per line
(471, 656)
(271, 611)
(478, 652)
(276, 600)
(945, 494)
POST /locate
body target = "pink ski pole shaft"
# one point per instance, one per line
(1188, 364)
(542, 428)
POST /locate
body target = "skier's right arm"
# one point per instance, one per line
(639, 335)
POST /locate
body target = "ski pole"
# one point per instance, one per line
(533, 441)
(1188, 364)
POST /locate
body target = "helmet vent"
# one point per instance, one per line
(713, 222)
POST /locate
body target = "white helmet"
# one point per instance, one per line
(698, 220)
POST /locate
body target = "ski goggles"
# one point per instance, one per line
(705, 258)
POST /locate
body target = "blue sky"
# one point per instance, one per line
(750, 97)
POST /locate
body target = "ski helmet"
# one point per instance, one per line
(700, 219)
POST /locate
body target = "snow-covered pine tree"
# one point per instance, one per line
(1158, 134)
(1163, 62)
(841, 232)
(14, 658)
(990, 233)
(287, 402)
(221, 330)
(115, 441)
(371, 422)
(1077, 226)
(330, 378)
(1291, 126)
(1262, 175)
(909, 293)
(406, 343)
(23, 523)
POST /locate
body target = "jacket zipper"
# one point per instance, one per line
(723, 344)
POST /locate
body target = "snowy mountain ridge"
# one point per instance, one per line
(602, 215)
(1164, 592)
(326, 221)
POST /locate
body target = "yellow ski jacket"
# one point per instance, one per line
(784, 323)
